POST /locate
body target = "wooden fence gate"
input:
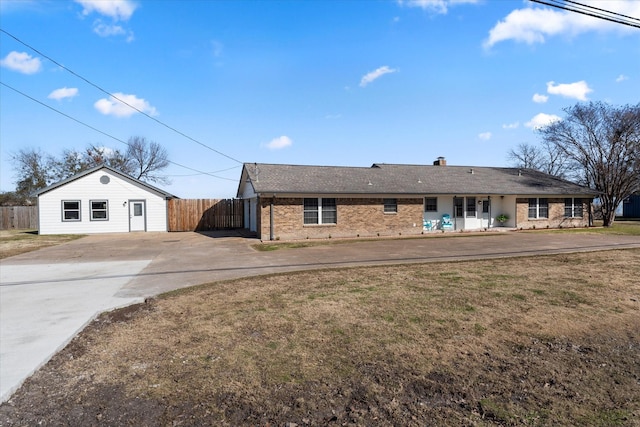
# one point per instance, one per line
(205, 214)
(18, 217)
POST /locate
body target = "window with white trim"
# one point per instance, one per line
(71, 210)
(458, 207)
(390, 205)
(538, 208)
(431, 204)
(99, 210)
(573, 208)
(320, 211)
(471, 207)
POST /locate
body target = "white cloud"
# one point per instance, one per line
(118, 10)
(621, 78)
(540, 99)
(113, 107)
(577, 90)
(110, 30)
(485, 136)
(62, 93)
(279, 143)
(21, 62)
(535, 25)
(541, 120)
(376, 74)
(514, 125)
(435, 6)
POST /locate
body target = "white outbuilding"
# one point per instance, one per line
(101, 200)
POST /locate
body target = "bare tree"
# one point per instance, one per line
(33, 171)
(526, 156)
(147, 159)
(602, 144)
(545, 158)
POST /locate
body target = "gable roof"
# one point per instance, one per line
(384, 178)
(112, 170)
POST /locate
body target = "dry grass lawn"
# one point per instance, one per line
(16, 242)
(539, 341)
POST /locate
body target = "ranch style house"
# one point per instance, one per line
(292, 202)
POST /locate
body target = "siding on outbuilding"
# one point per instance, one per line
(631, 206)
(118, 192)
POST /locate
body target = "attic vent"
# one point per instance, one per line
(104, 179)
(471, 171)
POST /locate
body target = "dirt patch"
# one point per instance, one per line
(531, 341)
(16, 242)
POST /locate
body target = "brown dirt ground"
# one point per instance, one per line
(532, 341)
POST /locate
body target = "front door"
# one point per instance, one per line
(485, 214)
(137, 215)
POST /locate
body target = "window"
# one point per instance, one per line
(71, 210)
(390, 205)
(99, 211)
(538, 208)
(320, 211)
(329, 211)
(458, 207)
(572, 208)
(431, 204)
(471, 207)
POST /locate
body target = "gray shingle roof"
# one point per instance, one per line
(112, 170)
(405, 180)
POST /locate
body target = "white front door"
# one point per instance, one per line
(485, 213)
(137, 215)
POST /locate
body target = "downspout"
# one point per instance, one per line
(489, 220)
(271, 231)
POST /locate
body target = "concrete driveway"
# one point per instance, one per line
(48, 296)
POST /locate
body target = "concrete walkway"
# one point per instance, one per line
(48, 296)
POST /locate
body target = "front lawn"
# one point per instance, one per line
(535, 341)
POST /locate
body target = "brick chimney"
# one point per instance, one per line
(440, 162)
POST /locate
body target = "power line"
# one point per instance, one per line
(118, 99)
(573, 6)
(102, 132)
(197, 174)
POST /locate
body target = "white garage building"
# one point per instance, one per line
(101, 200)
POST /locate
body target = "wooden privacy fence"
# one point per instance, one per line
(18, 217)
(205, 214)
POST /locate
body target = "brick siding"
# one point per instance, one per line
(356, 217)
(556, 215)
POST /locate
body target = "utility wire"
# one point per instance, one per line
(102, 132)
(196, 174)
(118, 99)
(572, 6)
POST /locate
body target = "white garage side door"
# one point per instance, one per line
(137, 215)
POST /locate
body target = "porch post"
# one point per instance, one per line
(271, 232)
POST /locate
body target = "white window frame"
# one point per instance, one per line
(470, 207)
(537, 208)
(65, 210)
(321, 205)
(105, 210)
(575, 206)
(390, 206)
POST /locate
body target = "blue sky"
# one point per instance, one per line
(304, 82)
